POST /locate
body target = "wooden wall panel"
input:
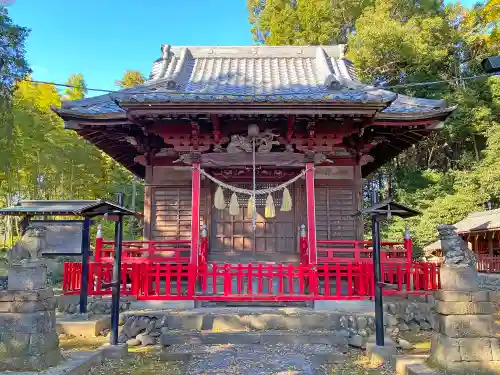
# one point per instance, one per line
(171, 212)
(168, 211)
(335, 203)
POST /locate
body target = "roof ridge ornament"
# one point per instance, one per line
(177, 72)
(166, 56)
(324, 72)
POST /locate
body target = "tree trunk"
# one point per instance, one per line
(476, 151)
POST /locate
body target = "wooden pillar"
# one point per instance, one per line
(148, 202)
(311, 213)
(490, 244)
(195, 215)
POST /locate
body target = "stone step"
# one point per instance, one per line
(252, 319)
(336, 339)
(402, 362)
(319, 356)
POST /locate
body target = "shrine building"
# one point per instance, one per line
(253, 147)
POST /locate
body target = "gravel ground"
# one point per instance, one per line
(145, 363)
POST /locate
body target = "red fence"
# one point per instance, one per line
(488, 264)
(349, 251)
(249, 282)
(171, 251)
(163, 270)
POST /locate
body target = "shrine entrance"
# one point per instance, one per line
(274, 240)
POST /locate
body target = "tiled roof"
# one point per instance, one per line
(252, 74)
(480, 222)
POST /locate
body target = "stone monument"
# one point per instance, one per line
(28, 337)
(465, 339)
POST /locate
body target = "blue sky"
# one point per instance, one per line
(103, 38)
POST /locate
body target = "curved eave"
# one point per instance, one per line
(123, 152)
(415, 115)
(78, 114)
(392, 146)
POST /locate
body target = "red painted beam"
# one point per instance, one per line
(311, 213)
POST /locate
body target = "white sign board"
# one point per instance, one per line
(63, 237)
(334, 173)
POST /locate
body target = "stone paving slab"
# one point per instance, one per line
(77, 363)
(169, 337)
(256, 359)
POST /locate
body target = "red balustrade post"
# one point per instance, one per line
(311, 214)
(408, 243)
(98, 244)
(195, 215)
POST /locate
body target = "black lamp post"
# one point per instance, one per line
(382, 210)
(116, 281)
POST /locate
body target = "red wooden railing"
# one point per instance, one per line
(489, 264)
(167, 281)
(164, 270)
(485, 264)
(350, 251)
(170, 251)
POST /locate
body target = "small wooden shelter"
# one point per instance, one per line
(482, 231)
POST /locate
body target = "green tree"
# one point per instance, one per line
(392, 42)
(13, 64)
(131, 78)
(77, 89)
(295, 22)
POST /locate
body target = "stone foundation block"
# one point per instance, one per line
(445, 349)
(174, 338)
(476, 349)
(458, 296)
(458, 278)
(24, 307)
(27, 277)
(27, 344)
(26, 295)
(225, 323)
(379, 355)
(470, 367)
(495, 349)
(465, 326)
(185, 322)
(38, 322)
(401, 362)
(35, 362)
(14, 345)
(464, 308)
(43, 342)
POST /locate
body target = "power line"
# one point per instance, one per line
(427, 83)
(436, 82)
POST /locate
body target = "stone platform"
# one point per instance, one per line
(246, 325)
(28, 338)
(82, 325)
(466, 336)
